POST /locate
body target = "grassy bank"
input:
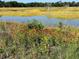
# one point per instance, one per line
(56, 12)
(35, 41)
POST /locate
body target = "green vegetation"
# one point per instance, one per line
(35, 25)
(35, 41)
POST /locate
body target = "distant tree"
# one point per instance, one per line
(72, 4)
(38, 4)
(2, 3)
(77, 4)
(12, 4)
(58, 4)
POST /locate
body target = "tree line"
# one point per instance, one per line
(38, 4)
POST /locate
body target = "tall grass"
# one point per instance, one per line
(55, 12)
(34, 41)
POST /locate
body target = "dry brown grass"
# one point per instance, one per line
(56, 12)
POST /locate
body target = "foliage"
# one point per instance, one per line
(35, 25)
(1, 50)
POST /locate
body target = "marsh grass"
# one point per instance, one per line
(34, 41)
(55, 12)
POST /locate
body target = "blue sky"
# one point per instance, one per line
(27, 1)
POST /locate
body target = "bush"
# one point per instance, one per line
(35, 25)
(1, 50)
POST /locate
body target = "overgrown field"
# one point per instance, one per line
(35, 41)
(56, 12)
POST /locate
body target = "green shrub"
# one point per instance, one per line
(35, 25)
(1, 50)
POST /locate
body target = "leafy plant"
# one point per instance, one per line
(35, 25)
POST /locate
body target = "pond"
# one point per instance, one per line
(43, 19)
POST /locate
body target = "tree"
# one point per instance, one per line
(2, 3)
(37, 4)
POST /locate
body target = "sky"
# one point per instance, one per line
(28, 1)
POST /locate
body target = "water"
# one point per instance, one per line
(43, 19)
